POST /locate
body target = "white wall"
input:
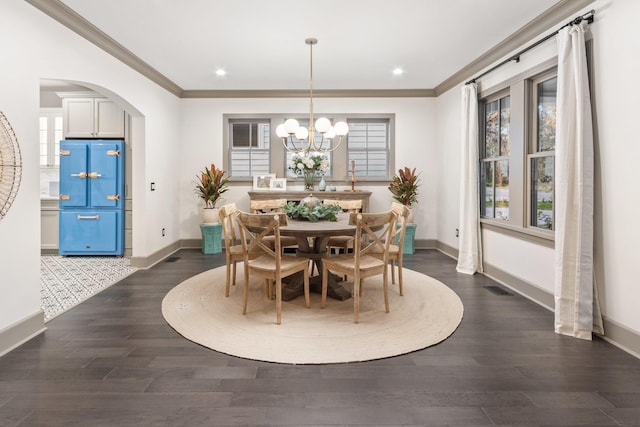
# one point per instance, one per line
(202, 143)
(616, 67)
(37, 47)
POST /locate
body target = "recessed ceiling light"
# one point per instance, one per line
(397, 71)
(220, 72)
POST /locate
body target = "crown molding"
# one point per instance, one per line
(318, 93)
(552, 16)
(70, 19)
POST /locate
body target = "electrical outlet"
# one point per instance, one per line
(457, 233)
(163, 232)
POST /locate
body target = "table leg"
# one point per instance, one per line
(293, 286)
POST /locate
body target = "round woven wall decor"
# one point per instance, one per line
(10, 165)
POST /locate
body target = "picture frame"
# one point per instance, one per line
(263, 182)
(278, 184)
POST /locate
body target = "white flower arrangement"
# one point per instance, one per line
(302, 164)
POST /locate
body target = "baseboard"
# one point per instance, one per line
(616, 334)
(622, 337)
(528, 290)
(156, 257)
(20, 332)
(424, 243)
(47, 251)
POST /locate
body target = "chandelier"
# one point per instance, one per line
(307, 136)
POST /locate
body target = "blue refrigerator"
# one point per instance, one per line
(91, 197)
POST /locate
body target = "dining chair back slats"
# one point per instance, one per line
(269, 207)
(342, 242)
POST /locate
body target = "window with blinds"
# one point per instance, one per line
(368, 145)
(250, 142)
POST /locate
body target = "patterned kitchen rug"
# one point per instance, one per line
(67, 281)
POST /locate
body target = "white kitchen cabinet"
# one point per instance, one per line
(49, 218)
(92, 117)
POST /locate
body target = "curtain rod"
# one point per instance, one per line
(586, 17)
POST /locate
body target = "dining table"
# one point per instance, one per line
(312, 238)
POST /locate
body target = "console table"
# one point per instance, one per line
(296, 196)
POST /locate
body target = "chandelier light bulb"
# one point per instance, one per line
(281, 131)
(331, 133)
(341, 128)
(302, 133)
(323, 125)
(291, 126)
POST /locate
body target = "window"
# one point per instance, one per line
(50, 135)
(250, 147)
(517, 123)
(250, 151)
(542, 154)
(495, 149)
(368, 147)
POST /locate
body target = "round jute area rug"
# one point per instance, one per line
(427, 314)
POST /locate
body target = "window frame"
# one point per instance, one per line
(519, 87)
(277, 157)
(249, 149)
(483, 159)
(532, 149)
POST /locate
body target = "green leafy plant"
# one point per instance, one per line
(404, 186)
(312, 213)
(210, 185)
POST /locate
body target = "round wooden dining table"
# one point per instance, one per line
(312, 240)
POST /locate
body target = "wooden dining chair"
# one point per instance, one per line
(272, 265)
(373, 231)
(233, 249)
(342, 242)
(272, 206)
(397, 242)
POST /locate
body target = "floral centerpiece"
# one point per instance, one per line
(313, 212)
(308, 166)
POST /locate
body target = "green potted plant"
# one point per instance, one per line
(210, 185)
(404, 188)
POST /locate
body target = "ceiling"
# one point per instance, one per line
(260, 43)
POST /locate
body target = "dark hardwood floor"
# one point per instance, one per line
(113, 361)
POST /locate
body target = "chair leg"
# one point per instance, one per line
(268, 284)
(245, 291)
(357, 286)
(278, 300)
(346, 251)
(228, 282)
(325, 280)
(385, 287)
(307, 298)
(400, 275)
(235, 263)
(313, 265)
(393, 274)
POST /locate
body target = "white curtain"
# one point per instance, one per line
(577, 311)
(470, 247)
